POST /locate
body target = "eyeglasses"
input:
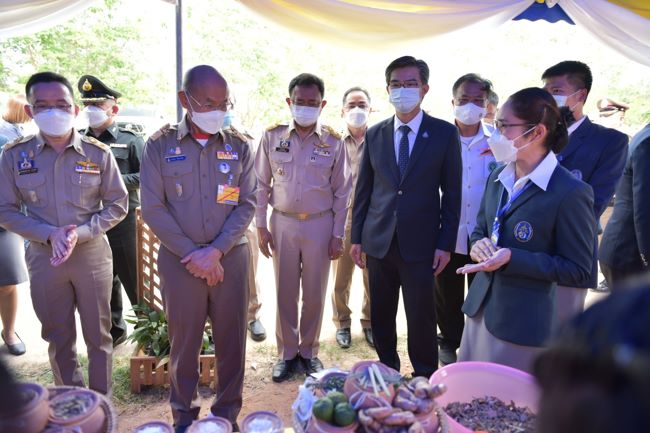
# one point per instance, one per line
(501, 126)
(209, 106)
(477, 101)
(312, 104)
(39, 108)
(361, 105)
(408, 84)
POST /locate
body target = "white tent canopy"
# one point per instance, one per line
(622, 24)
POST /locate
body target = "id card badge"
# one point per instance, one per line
(228, 194)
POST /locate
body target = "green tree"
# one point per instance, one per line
(99, 41)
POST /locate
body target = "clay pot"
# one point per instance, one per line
(78, 408)
(316, 425)
(321, 392)
(32, 412)
(262, 422)
(211, 425)
(154, 427)
(352, 386)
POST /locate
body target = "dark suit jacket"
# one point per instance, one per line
(413, 207)
(596, 155)
(519, 297)
(626, 242)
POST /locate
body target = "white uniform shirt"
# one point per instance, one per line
(540, 176)
(476, 170)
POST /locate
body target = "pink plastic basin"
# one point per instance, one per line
(468, 380)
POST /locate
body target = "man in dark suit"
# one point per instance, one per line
(400, 221)
(595, 154)
(625, 247)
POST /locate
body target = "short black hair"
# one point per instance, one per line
(406, 62)
(493, 98)
(578, 73)
(355, 89)
(305, 80)
(47, 77)
(486, 85)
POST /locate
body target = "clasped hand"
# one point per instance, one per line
(488, 256)
(63, 241)
(205, 263)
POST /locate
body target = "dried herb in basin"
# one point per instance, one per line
(492, 415)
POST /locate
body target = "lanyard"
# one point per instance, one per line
(496, 225)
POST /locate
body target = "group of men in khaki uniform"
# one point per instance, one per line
(199, 193)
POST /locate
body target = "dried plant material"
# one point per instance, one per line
(492, 415)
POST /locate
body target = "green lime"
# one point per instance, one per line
(323, 409)
(344, 414)
(337, 397)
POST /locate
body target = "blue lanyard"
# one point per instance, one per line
(496, 225)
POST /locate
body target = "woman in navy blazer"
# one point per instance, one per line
(535, 228)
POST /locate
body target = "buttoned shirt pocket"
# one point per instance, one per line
(84, 189)
(178, 181)
(319, 170)
(33, 189)
(281, 166)
(122, 158)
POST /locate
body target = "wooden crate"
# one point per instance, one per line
(148, 278)
(143, 371)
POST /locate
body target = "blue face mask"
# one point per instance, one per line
(227, 120)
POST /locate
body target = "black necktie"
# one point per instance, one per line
(403, 154)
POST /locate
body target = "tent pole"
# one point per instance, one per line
(179, 56)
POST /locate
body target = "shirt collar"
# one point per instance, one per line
(183, 129)
(576, 124)
(317, 130)
(540, 176)
(346, 135)
(414, 124)
(484, 130)
(75, 142)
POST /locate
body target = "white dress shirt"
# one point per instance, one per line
(540, 176)
(476, 170)
(576, 125)
(414, 124)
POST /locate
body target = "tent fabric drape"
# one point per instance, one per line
(22, 17)
(624, 25)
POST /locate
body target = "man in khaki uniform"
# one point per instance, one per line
(73, 193)
(197, 183)
(356, 108)
(302, 172)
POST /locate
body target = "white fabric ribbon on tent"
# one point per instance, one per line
(375, 23)
(22, 17)
(621, 29)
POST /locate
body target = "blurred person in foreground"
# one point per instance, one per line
(595, 377)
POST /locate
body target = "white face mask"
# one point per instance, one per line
(503, 148)
(209, 121)
(561, 100)
(53, 122)
(469, 114)
(96, 116)
(356, 117)
(405, 99)
(305, 116)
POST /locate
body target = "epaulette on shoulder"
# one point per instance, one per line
(17, 141)
(333, 132)
(162, 131)
(240, 135)
(277, 125)
(94, 141)
(126, 129)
